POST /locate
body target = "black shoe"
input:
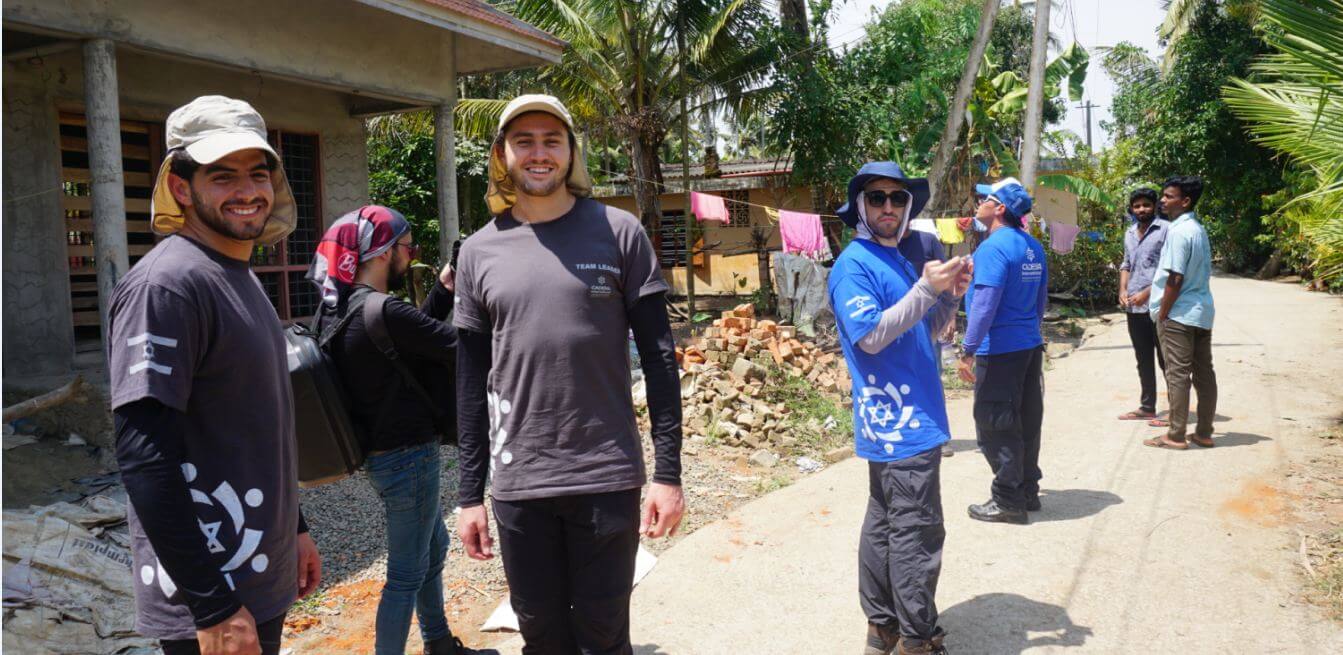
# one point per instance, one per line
(992, 512)
(1033, 505)
(451, 645)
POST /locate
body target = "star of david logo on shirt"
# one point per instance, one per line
(880, 414)
(1030, 255)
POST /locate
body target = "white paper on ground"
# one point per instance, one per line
(502, 619)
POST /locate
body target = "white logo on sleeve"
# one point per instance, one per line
(149, 341)
(248, 539)
(860, 304)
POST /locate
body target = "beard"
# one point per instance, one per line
(215, 220)
(540, 189)
(883, 229)
(396, 279)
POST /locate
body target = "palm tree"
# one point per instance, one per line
(1295, 106)
(621, 73)
(1180, 15)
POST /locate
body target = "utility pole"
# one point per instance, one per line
(1088, 106)
(1035, 97)
(685, 175)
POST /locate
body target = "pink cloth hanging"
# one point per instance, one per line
(708, 207)
(802, 234)
(1062, 236)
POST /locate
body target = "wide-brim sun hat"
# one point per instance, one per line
(208, 129)
(916, 186)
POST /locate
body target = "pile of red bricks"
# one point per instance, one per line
(737, 335)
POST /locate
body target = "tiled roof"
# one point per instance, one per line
(484, 12)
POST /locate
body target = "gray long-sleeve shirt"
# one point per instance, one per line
(905, 314)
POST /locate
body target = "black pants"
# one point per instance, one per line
(1009, 408)
(267, 633)
(570, 568)
(1142, 332)
(900, 548)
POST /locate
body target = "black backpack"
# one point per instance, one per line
(330, 445)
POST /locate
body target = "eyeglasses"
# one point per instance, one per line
(879, 198)
(412, 249)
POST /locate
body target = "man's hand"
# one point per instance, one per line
(663, 510)
(236, 635)
(943, 275)
(963, 281)
(1140, 299)
(473, 528)
(1124, 298)
(309, 565)
(448, 278)
(966, 368)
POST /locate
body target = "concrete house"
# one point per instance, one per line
(88, 84)
(728, 264)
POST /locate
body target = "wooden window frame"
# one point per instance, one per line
(285, 269)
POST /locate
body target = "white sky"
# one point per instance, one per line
(1091, 23)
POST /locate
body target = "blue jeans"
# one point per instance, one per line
(406, 479)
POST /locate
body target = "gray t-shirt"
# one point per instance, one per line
(556, 296)
(194, 330)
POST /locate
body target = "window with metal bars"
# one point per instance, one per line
(738, 211)
(283, 266)
(671, 254)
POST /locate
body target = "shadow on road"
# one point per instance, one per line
(1233, 439)
(1072, 504)
(963, 445)
(649, 649)
(1009, 624)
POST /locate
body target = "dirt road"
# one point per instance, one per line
(1136, 550)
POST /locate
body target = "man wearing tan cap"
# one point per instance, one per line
(546, 295)
(201, 397)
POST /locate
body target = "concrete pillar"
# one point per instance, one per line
(445, 154)
(103, 113)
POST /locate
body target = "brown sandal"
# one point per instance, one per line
(1201, 442)
(1137, 415)
(1162, 442)
(1158, 423)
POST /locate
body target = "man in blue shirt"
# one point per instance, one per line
(1003, 352)
(919, 248)
(1142, 250)
(886, 313)
(1181, 305)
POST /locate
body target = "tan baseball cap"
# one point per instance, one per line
(208, 129)
(500, 194)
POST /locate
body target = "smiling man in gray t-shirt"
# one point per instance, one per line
(201, 397)
(547, 293)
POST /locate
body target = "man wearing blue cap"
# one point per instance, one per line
(886, 312)
(1003, 352)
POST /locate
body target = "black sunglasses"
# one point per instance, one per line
(879, 198)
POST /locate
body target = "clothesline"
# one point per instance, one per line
(668, 189)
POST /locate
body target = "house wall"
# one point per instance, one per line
(38, 335)
(732, 260)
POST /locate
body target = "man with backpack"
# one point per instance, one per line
(389, 356)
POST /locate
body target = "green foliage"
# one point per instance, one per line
(403, 174)
(1294, 104)
(1179, 125)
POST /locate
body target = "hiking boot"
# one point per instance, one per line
(992, 512)
(881, 640)
(947, 451)
(923, 646)
(451, 645)
(1033, 505)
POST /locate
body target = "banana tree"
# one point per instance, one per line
(1295, 105)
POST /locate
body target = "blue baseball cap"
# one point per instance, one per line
(1009, 192)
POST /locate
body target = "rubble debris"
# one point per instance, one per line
(68, 586)
(808, 465)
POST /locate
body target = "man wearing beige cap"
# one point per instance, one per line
(201, 397)
(546, 295)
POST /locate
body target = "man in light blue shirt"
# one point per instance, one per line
(1181, 304)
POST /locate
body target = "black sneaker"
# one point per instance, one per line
(1033, 505)
(451, 645)
(881, 640)
(992, 512)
